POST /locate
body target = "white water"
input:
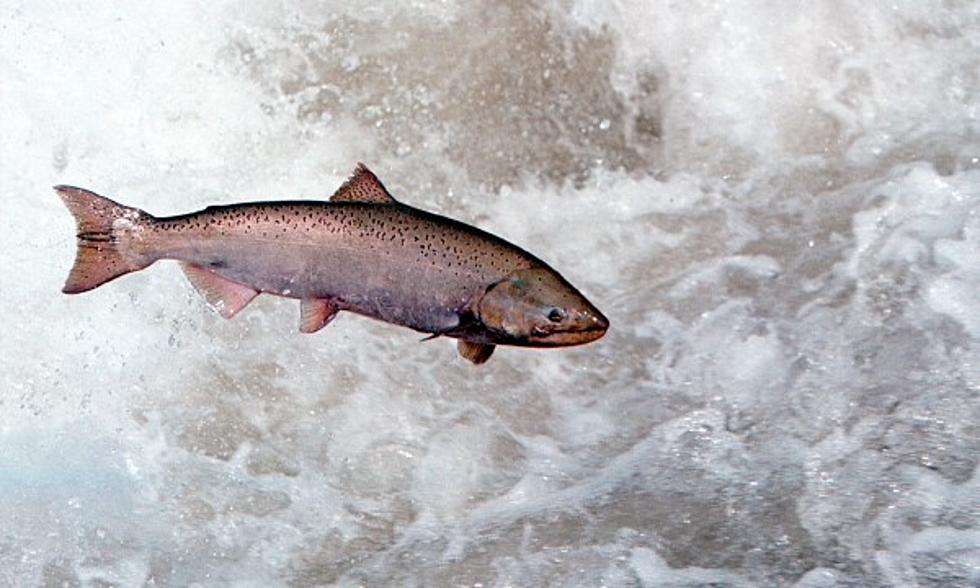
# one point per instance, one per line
(775, 203)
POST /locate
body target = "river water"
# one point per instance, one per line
(776, 205)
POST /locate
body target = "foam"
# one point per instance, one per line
(776, 209)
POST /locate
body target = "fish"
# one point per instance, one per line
(362, 251)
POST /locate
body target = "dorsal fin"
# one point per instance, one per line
(363, 186)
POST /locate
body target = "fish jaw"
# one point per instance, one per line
(536, 307)
(566, 339)
(590, 326)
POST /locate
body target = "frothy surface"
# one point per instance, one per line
(776, 207)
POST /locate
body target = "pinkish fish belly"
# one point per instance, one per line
(393, 263)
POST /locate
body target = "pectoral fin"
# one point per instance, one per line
(223, 295)
(314, 314)
(476, 352)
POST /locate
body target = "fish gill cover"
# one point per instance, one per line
(776, 205)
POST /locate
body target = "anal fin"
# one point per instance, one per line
(314, 314)
(223, 295)
(476, 352)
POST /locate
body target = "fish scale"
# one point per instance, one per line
(361, 252)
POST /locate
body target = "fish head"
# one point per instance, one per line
(536, 307)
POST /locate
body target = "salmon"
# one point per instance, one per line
(362, 252)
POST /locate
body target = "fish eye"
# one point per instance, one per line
(555, 315)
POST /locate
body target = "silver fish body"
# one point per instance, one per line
(361, 252)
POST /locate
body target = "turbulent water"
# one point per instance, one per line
(777, 204)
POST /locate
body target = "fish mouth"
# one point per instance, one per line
(569, 337)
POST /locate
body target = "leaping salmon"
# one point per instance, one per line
(362, 252)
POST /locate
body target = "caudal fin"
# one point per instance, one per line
(105, 244)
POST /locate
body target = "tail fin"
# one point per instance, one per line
(105, 250)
